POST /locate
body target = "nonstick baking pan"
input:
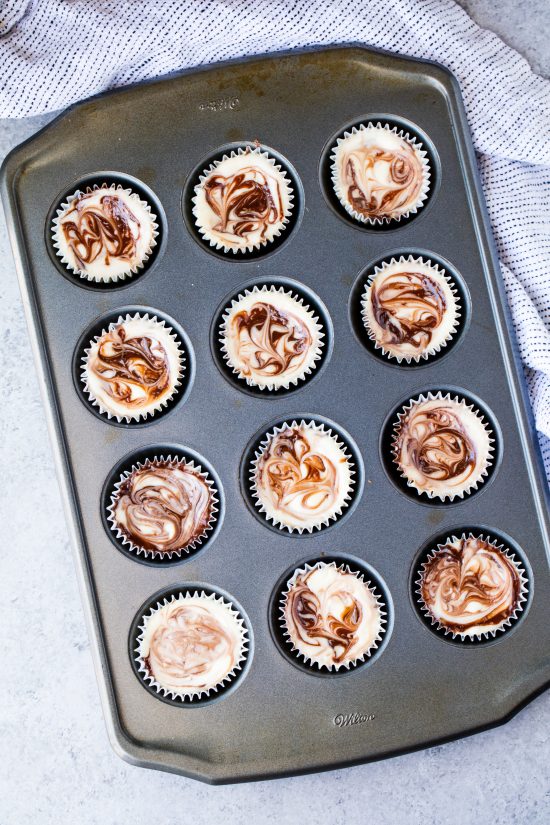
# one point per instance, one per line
(279, 717)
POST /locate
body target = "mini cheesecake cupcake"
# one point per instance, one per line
(331, 617)
(133, 368)
(163, 508)
(379, 174)
(242, 201)
(442, 446)
(270, 338)
(302, 477)
(191, 645)
(471, 587)
(104, 234)
(410, 309)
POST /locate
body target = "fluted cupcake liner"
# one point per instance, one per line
(471, 486)
(478, 635)
(379, 271)
(166, 334)
(197, 695)
(420, 152)
(380, 604)
(151, 553)
(310, 362)
(216, 242)
(264, 444)
(109, 277)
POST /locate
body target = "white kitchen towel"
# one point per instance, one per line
(54, 52)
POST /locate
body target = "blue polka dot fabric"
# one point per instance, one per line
(54, 52)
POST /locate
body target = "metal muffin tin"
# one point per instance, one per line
(277, 718)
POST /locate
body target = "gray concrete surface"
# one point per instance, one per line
(56, 763)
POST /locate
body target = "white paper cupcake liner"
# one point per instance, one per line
(431, 350)
(480, 635)
(266, 440)
(381, 605)
(199, 694)
(310, 363)
(422, 155)
(108, 277)
(137, 415)
(216, 242)
(150, 553)
(472, 485)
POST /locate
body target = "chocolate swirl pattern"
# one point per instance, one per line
(164, 507)
(410, 309)
(331, 616)
(378, 174)
(471, 587)
(133, 368)
(243, 201)
(191, 645)
(302, 477)
(105, 233)
(270, 338)
(442, 446)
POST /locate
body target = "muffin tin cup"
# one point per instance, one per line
(430, 351)
(263, 294)
(253, 252)
(132, 270)
(162, 402)
(482, 474)
(377, 586)
(250, 247)
(101, 326)
(346, 666)
(420, 154)
(118, 181)
(200, 696)
(149, 553)
(501, 543)
(315, 425)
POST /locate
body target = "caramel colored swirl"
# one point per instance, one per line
(298, 476)
(408, 306)
(338, 630)
(107, 228)
(331, 616)
(132, 370)
(381, 179)
(270, 341)
(470, 584)
(245, 203)
(191, 645)
(436, 442)
(163, 506)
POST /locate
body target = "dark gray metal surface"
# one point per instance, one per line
(282, 719)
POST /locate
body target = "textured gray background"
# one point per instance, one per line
(56, 763)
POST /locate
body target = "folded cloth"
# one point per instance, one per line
(54, 52)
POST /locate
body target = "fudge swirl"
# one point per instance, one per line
(302, 481)
(371, 195)
(270, 341)
(163, 507)
(469, 583)
(245, 203)
(435, 441)
(191, 647)
(107, 229)
(330, 619)
(408, 306)
(133, 370)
